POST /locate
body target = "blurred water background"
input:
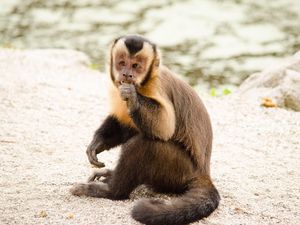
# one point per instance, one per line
(211, 43)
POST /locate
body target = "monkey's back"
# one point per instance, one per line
(193, 126)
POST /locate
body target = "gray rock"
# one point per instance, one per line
(280, 83)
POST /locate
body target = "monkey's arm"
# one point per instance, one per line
(110, 134)
(154, 118)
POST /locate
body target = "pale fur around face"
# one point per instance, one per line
(164, 127)
(166, 122)
(118, 107)
(119, 46)
(148, 52)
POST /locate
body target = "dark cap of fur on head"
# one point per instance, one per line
(135, 43)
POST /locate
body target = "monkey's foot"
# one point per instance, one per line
(99, 173)
(92, 189)
(78, 189)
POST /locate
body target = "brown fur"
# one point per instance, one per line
(166, 139)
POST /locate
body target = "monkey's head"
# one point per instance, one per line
(133, 59)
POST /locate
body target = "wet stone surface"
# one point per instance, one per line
(211, 42)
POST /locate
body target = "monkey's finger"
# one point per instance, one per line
(89, 154)
(92, 157)
(91, 151)
(127, 88)
(125, 91)
(125, 97)
(92, 177)
(122, 87)
(96, 163)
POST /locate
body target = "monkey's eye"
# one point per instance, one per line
(122, 63)
(135, 65)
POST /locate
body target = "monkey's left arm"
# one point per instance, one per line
(154, 118)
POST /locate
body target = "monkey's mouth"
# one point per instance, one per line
(121, 82)
(126, 82)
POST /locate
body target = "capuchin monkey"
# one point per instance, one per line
(165, 135)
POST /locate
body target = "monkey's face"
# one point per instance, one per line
(132, 60)
(129, 69)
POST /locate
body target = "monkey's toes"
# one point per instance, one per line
(79, 189)
(99, 173)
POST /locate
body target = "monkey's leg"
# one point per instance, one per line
(129, 173)
(163, 165)
(169, 168)
(93, 189)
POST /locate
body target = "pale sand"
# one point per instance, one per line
(50, 105)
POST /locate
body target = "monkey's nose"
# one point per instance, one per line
(127, 75)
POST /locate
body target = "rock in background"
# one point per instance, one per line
(280, 83)
(210, 42)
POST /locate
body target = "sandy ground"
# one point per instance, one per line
(50, 105)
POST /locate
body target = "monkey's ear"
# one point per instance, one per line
(110, 52)
(116, 40)
(156, 62)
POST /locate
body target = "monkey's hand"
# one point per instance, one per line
(128, 94)
(94, 148)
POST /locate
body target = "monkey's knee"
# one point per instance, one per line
(92, 189)
(136, 146)
(129, 172)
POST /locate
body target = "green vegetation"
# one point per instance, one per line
(219, 92)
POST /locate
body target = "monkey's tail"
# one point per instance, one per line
(198, 202)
